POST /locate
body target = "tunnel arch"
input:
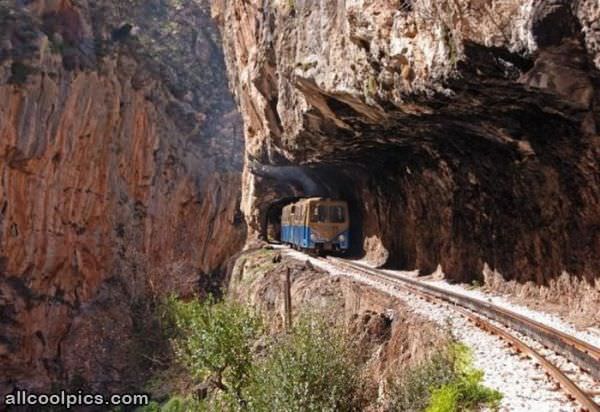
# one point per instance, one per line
(272, 228)
(380, 227)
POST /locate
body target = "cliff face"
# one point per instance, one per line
(120, 166)
(462, 133)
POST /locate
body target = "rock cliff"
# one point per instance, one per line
(120, 165)
(463, 133)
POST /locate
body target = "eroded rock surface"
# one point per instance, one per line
(461, 132)
(120, 169)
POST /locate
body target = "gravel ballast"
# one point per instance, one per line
(522, 382)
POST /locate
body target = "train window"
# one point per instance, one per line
(336, 214)
(319, 214)
(293, 210)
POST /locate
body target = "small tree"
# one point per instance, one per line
(214, 342)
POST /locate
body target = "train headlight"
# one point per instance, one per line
(342, 238)
(313, 237)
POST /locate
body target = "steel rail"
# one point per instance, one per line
(574, 349)
(565, 383)
(583, 354)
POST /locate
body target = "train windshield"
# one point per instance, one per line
(336, 214)
(323, 213)
(319, 214)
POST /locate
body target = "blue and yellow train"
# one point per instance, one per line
(316, 224)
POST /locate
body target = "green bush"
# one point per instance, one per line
(214, 342)
(410, 389)
(446, 382)
(465, 392)
(313, 368)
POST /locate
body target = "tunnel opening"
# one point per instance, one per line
(272, 229)
(375, 211)
(331, 181)
(374, 182)
(387, 204)
(451, 200)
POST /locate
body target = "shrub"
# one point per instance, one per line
(313, 368)
(214, 342)
(465, 392)
(446, 382)
(410, 390)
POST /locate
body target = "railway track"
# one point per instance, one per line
(502, 322)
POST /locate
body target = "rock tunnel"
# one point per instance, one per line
(495, 164)
(510, 187)
(272, 230)
(462, 199)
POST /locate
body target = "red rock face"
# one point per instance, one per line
(107, 202)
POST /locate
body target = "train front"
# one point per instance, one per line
(329, 225)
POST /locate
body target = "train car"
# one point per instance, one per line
(316, 224)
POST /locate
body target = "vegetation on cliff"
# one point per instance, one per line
(215, 342)
(315, 367)
(445, 382)
(237, 364)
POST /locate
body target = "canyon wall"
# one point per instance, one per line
(120, 166)
(463, 133)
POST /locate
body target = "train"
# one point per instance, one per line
(317, 225)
